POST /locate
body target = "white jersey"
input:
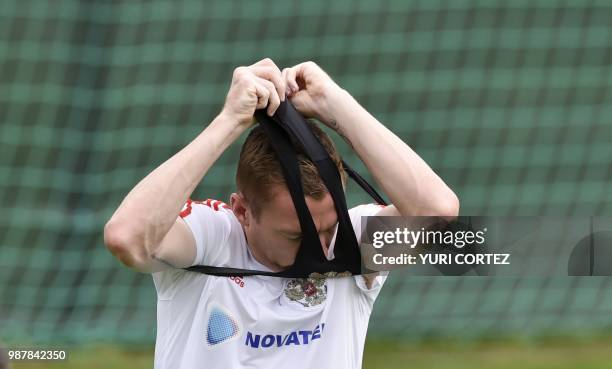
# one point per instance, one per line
(256, 322)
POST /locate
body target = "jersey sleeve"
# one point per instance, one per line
(355, 214)
(210, 223)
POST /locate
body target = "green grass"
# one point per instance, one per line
(558, 354)
(508, 354)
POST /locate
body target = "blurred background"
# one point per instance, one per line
(508, 101)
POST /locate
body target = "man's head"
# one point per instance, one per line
(264, 206)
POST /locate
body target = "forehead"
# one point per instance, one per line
(280, 212)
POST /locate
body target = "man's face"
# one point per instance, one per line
(275, 236)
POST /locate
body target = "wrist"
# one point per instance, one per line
(338, 102)
(228, 127)
(234, 123)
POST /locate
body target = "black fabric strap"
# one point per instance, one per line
(363, 184)
(224, 272)
(290, 135)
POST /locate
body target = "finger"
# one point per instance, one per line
(273, 98)
(290, 80)
(263, 95)
(265, 62)
(287, 87)
(271, 73)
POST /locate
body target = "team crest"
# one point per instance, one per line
(307, 291)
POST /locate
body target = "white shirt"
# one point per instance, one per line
(256, 322)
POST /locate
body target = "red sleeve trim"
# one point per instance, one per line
(187, 210)
(213, 204)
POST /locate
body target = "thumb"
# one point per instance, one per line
(300, 101)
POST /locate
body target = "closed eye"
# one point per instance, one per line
(295, 238)
(298, 237)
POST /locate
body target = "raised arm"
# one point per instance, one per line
(145, 232)
(413, 187)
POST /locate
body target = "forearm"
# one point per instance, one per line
(152, 206)
(412, 186)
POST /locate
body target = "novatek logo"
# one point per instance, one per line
(292, 338)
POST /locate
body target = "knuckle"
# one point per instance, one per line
(239, 73)
(270, 71)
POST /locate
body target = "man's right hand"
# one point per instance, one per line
(254, 87)
(146, 232)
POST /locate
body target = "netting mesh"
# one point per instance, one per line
(508, 101)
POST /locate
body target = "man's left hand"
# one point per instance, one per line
(312, 91)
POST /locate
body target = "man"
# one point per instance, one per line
(264, 322)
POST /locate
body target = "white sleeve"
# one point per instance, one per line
(210, 223)
(355, 214)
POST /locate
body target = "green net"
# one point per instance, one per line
(508, 101)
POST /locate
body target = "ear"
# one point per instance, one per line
(240, 208)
